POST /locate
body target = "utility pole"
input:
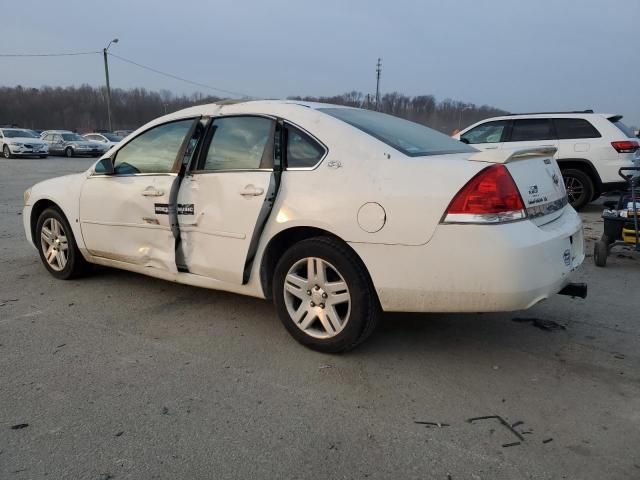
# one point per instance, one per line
(106, 74)
(378, 71)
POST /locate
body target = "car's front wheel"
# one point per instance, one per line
(68, 152)
(57, 246)
(324, 296)
(6, 152)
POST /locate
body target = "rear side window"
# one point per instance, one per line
(239, 143)
(622, 127)
(412, 139)
(573, 128)
(490, 132)
(302, 150)
(531, 130)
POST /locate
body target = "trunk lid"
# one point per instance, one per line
(538, 178)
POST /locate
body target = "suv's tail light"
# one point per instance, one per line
(490, 197)
(625, 146)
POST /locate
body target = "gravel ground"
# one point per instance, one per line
(120, 376)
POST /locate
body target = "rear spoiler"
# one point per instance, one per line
(506, 156)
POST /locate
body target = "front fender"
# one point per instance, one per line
(63, 192)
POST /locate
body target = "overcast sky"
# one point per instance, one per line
(520, 55)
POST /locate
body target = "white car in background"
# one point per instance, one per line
(590, 147)
(335, 213)
(106, 139)
(20, 142)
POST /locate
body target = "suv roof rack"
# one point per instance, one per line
(549, 113)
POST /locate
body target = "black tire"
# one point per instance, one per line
(43, 156)
(601, 251)
(6, 152)
(76, 265)
(364, 312)
(580, 188)
(68, 152)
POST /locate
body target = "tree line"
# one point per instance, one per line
(84, 108)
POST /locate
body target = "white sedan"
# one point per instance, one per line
(335, 213)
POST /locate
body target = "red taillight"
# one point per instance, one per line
(625, 146)
(490, 197)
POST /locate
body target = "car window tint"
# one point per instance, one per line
(490, 132)
(154, 151)
(302, 150)
(622, 127)
(238, 143)
(410, 138)
(570, 128)
(531, 129)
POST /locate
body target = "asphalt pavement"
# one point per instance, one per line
(121, 376)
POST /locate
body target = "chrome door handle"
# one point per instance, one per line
(251, 191)
(490, 148)
(152, 192)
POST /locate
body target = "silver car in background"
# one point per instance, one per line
(105, 138)
(20, 142)
(64, 142)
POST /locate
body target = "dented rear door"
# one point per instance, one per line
(226, 198)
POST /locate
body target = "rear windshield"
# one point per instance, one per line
(410, 138)
(111, 137)
(622, 127)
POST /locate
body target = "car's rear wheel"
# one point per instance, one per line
(324, 296)
(68, 152)
(6, 152)
(579, 187)
(57, 246)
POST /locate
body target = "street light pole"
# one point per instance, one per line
(106, 74)
(460, 119)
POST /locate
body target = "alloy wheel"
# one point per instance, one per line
(574, 187)
(54, 244)
(317, 298)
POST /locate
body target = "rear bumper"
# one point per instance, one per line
(477, 268)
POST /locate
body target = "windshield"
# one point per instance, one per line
(410, 138)
(111, 137)
(73, 137)
(14, 133)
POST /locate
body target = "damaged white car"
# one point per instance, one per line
(335, 213)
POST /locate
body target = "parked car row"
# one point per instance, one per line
(21, 142)
(590, 147)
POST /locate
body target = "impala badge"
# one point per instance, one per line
(555, 178)
(334, 164)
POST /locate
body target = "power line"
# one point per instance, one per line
(239, 94)
(48, 54)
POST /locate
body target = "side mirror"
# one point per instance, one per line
(464, 140)
(104, 167)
